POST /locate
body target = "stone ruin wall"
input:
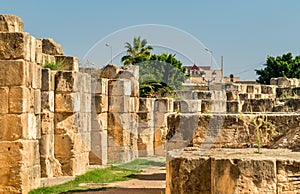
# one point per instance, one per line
(211, 122)
(56, 123)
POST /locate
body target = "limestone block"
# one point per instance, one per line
(19, 99)
(11, 23)
(99, 103)
(67, 122)
(16, 158)
(119, 87)
(48, 79)
(134, 104)
(204, 95)
(110, 71)
(50, 47)
(37, 102)
(118, 104)
(45, 58)
(233, 107)
(99, 122)
(47, 101)
(67, 102)
(85, 102)
(135, 88)
(68, 62)
(258, 105)
(187, 106)
(36, 75)
(161, 105)
(47, 123)
(100, 86)
(87, 87)
(146, 105)
(283, 82)
(98, 153)
(16, 46)
(67, 81)
(206, 106)
(241, 176)
(232, 87)
(4, 91)
(187, 94)
(287, 176)
(14, 73)
(38, 51)
(47, 145)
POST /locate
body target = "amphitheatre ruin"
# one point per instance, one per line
(56, 123)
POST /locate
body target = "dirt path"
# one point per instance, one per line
(150, 181)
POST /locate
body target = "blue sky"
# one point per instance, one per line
(244, 32)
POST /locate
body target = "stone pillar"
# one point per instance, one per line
(162, 108)
(20, 108)
(50, 166)
(146, 127)
(72, 121)
(122, 121)
(98, 153)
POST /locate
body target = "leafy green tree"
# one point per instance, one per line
(138, 52)
(281, 66)
(160, 74)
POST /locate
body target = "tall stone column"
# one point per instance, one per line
(20, 84)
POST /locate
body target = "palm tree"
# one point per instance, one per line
(137, 52)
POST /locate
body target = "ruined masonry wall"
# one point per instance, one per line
(20, 112)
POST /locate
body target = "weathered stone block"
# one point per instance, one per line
(98, 153)
(19, 99)
(38, 51)
(50, 47)
(11, 23)
(100, 86)
(36, 75)
(16, 46)
(14, 73)
(99, 103)
(45, 59)
(4, 100)
(146, 104)
(47, 101)
(48, 79)
(110, 71)
(161, 105)
(134, 104)
(37, 101)
(67, 102)
(68, 62)
(47, 123)
(67, 122)
(187, 106)
(118, 104)
(16, 158)
(67, 81)
(119, 87)
(47, 145)
(204, 95)
(99, 122)
(85, 102)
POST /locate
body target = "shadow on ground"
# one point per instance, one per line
(154, 177)
(126, 191)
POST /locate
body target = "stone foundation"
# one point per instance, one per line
(232, 171)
